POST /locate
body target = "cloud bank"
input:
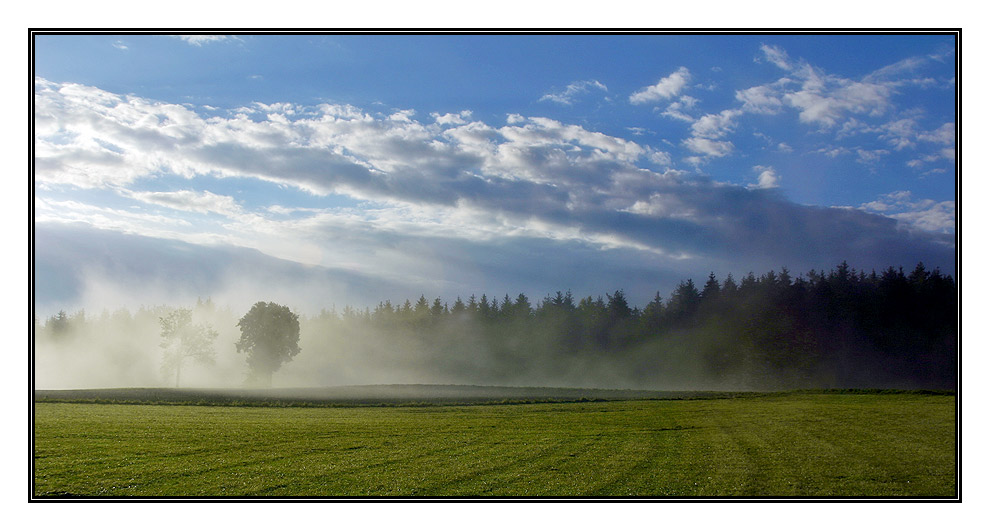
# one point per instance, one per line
(450, 203)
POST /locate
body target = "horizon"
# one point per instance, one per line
(239, 305)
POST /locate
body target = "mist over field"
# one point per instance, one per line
(121, 349)
(837, 328)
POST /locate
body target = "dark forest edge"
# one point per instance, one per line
(837, 329)
(419, 395)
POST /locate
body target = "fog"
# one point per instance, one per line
(841, 328)
(121, 348)
(112, 304)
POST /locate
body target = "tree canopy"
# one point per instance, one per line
(270, 337)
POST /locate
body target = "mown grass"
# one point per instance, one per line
(803, 444)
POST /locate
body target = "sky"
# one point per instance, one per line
(333, 170)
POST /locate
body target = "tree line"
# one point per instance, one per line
(835, 328)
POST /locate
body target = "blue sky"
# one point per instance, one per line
(460, 164)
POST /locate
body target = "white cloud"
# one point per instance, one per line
(767, 178)
(822, 99)
(460, 118)
(661, 158)
(68, 211)
(900, 133)
(715, 125)
(761, 100)
(864, 98)
(199, 40)
(93, 139)
(776, 55)
(826, 99)
(664, 89)
(707, 132)
(814, 107)
(924, 214)
(833, 151)
(904, 65)
(660, 205)
(870, 156)
(676, 109)
(946, 134)
(444, 179)
(513, 118)
(202, 202)
(569, 94)
(540, 132)
(709, 147)
(891, 73)
(403, 116)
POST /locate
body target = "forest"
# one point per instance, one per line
(840, 328)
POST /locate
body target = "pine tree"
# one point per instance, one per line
(710, 292)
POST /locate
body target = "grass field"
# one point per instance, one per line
(802, 444)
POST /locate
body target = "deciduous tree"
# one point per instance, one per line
(181, 339)
(270, 337)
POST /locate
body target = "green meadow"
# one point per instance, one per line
(780, 445)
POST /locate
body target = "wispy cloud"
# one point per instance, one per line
(760, 100)
(200, 40)
(570, 94)
(203, 202)
(945, 135)
(922, 214)
(897, 69)
(678, 109)
(829, 104)
(117, 219)
(824, 99)
(870, 157)
(776, 55)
